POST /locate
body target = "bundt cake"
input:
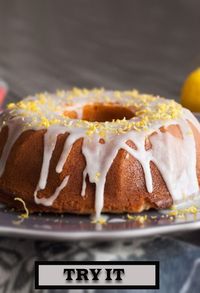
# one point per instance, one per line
(87, 151)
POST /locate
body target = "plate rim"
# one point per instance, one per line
(98, 235)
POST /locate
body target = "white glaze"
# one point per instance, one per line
(176, 160)
(50, 138)
(179, 174)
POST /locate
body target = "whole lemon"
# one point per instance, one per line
(190, 94)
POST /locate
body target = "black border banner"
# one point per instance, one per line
(40, 263)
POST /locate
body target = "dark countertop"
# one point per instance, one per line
(149, 45)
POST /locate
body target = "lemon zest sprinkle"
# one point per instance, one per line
(100, 220)
(162, 110)
(138, 218)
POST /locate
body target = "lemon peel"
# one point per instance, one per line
(26, 214)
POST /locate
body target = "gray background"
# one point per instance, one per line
(147, 44)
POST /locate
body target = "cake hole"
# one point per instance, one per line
(106, 112)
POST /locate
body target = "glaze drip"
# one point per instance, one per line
(50, 200)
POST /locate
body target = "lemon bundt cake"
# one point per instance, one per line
(86, 151)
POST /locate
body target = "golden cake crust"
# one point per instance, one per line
(119, 190)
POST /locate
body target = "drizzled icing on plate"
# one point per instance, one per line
(103, 140)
